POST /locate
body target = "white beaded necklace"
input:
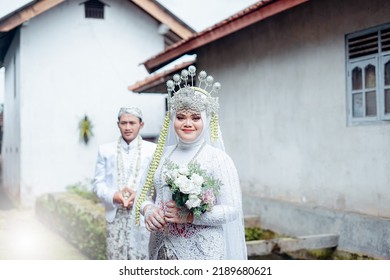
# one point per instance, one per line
(128, 178)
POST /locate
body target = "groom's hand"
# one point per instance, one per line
(125, 197)
(129, 198)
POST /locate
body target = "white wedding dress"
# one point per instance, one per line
(218, 234)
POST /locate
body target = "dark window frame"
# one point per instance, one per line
(94, 9)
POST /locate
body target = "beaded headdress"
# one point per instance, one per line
(183, 95)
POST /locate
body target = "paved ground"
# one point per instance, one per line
(23, 237)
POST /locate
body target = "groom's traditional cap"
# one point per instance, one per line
(130, 110)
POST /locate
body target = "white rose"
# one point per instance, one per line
(193, 201)
(195, 189)
(181, 180)
(172, 174)
(187, 186)
(184, 170)
(197, 179)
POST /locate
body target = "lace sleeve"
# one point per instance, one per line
(229, 201)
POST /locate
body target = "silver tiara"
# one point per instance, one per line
(184, 95)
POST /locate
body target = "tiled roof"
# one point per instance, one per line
(254, 13)
(158, 78)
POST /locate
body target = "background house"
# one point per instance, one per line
(65, 60)
(305, 109)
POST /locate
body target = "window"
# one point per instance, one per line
(94, 9)
(368, 67)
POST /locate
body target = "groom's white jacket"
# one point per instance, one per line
(105, 182)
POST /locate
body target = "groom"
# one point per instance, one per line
(119, 168)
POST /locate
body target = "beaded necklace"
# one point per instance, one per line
(128, 178)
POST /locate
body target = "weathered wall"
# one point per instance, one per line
(284, 115)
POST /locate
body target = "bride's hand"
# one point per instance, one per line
(154, 218)
(174, 214)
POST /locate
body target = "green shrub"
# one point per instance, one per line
(256, 233)
(83, 190)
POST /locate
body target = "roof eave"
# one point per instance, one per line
(163, 15)
(222, 29)
(159, 78)
(27, 13)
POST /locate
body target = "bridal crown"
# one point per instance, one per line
(184, 95)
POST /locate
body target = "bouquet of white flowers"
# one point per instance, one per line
(192, 187)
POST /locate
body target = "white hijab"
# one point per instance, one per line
(234, 234)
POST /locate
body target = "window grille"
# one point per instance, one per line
(94, 9)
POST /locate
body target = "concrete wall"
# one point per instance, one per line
(71, 66)
(284, 115)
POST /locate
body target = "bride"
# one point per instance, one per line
(191, 134)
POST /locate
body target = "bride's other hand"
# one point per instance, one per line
(154, 218)
(174, 214)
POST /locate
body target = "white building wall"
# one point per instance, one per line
(283, 109)
(11, 130)
(72, 66)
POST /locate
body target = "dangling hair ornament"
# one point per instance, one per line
(183, 94)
